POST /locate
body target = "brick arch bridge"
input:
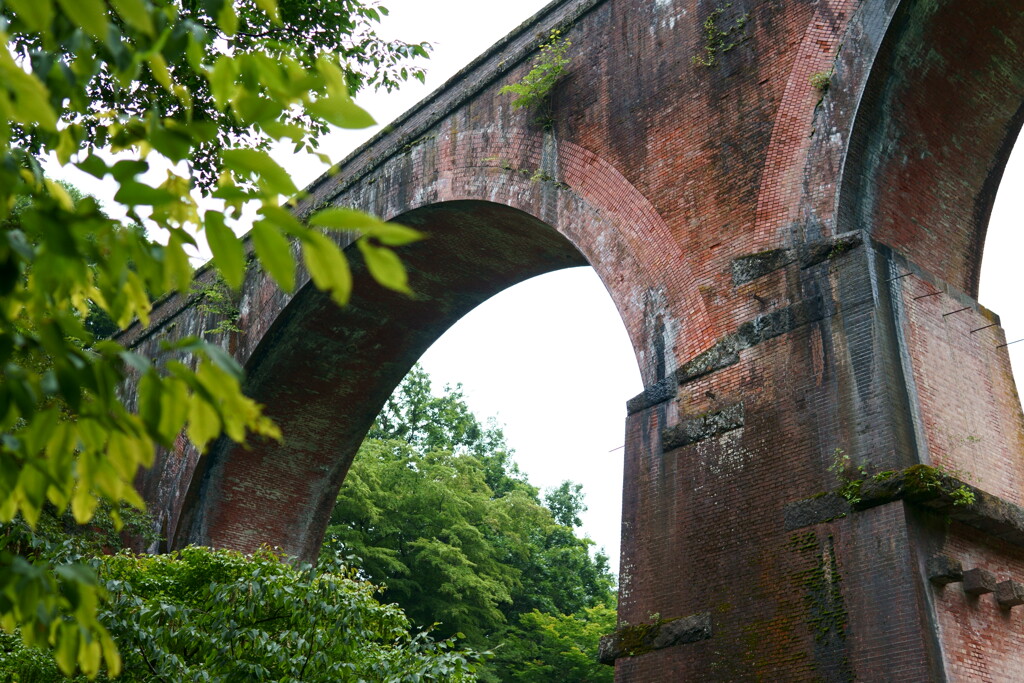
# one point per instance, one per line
(787, 202)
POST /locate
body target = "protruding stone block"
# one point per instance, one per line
(751, 267)
(1010, 593)
(631, 641)
(943, 569)
(701, 427)
(979, 581)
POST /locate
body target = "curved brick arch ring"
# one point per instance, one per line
(577, 192)
(324, 372)
(941, 109)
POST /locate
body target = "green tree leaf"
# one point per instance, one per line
(341, 111)
(37, 14)
(328, 267)
(135, 14)
(204, 423)
(164, 82)
(259, 163)
(227, 249)
(385, 266)
(91, 15)
(270, 7)
(275, 253)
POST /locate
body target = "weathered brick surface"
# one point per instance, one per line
(981, 640)
(807, 255)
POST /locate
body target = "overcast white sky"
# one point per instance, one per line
(550, 358)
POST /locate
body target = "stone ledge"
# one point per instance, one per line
(631, 641)
(754, 266)
(925, 487)
(726, 351)
(943, 570)
(702, 427)
(979, 581)
(1009, 594)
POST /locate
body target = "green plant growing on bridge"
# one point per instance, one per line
(535, 87)
(842, 468)
(926, 479)
(821, 81)
(718, 41)
(217, 299)
(917, 479)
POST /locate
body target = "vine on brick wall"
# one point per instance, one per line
(718, 40)
(217, 299)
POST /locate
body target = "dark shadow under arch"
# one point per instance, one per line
(324, 372)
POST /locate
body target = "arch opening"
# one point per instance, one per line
(999, 287)
(324, 372)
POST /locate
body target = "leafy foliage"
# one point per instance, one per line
(536, 85)
(166, 84)
(435, 510)
(216, 299)
(718, 41)
(193, 91)
(556, 648)
(217, 615)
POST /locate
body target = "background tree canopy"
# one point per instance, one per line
(435, 510)
(216, 615)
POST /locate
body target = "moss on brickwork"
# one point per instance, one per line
(753, 266)
(638, 639)
(825, 614)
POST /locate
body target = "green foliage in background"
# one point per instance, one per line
(217, 615)
(189, 94)
(556, 648)
(435, 510)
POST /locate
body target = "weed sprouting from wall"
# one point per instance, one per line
(535, 87)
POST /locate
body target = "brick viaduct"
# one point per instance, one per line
(791, 226)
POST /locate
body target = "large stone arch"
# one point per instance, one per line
(324, 372)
